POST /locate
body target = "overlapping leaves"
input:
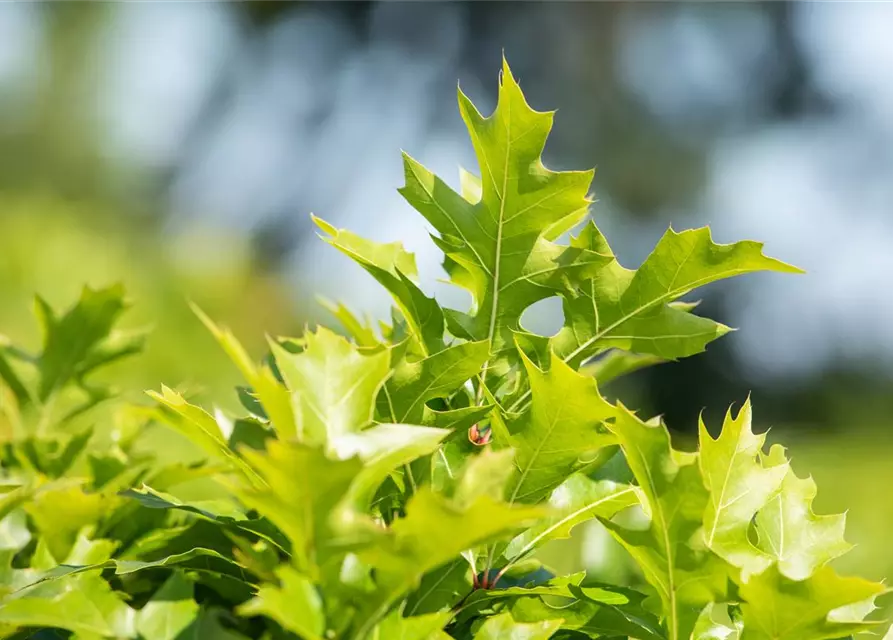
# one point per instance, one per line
(351, 502)
(702, 510)
(499, 246)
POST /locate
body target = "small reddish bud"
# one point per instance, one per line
(479, 436)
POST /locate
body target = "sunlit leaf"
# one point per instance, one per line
(739, 486)
(411, 628)
(593, 616)
(302, 487)
(360, 330)
(440, 375)
(706, 628)
(433, 533)
(563, 423)
(631, 310)
(686, 578)
(393, 267)
(294, 603)
(497, 246)
(333, 385)
(816, 608)
(170, 611)
(271, 395)
(792, 534)
(82, 604)
(576, 500)
(61, 511)
(503, 626)
(200, 427)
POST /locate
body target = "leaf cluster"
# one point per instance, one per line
(398, 483)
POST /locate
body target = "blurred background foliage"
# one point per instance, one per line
(52, 247)
(179, 148)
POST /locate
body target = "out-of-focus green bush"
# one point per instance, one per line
(55, 247)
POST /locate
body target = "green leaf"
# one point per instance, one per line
(94, 555)
(440, 589)
(790, 532)
(79, 341)
(333, 385)
(88, 550)
(437, 376)
(557, 589)
(83, 604)
(124, 567)
(170, 611)
(503, 627)
(739, 486)
(212, 509)
(562, 425)
(396, 627)
(611, 613)
(302, 488)
(631, 310)
(233, 519)
(14, 533)
(208, 624)
(294, 603)
(49, 456)
(496, 246)
(200, 427)
(393, 267)
(821, 606)
(577, 500)
(433, 533)
(359, 329)
(61, 511)
(484, 475)
(706, 628)
(115, 346)
(686, 578)
(384, 448)
(273, 397)
(456, 419)
(248, 432)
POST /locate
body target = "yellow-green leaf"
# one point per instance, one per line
(685, 577)
(294, 603)
(496, 246)
(739, 485)
(333, 384)
(822, 606)
(789, 531)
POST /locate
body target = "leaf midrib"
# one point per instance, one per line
(446, 214)
(500, 223)
(669, 295)
(657, 511)
(718, 500)
(589, 506)
(530, 463)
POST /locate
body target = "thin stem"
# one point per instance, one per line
(491, 549)
(502, 571)
(408, 471)
(482, 380)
